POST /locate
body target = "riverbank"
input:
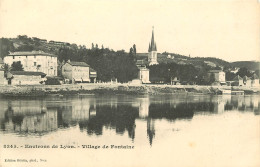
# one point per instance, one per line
(90, 88)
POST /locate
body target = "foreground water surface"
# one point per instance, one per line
(194, 130)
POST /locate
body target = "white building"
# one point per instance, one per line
(143, 73)
(219, 75)
(36, 61)
(3, 80)
(25, 78)
(247, 81)
(77, 72)
(255, 81)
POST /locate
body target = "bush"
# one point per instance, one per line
(52, 81)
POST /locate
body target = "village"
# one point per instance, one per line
(41, 68)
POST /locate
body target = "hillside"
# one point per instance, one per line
(200, 61)
(24, 43)
(251, 65)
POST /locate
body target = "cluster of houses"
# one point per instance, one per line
(38, 66)
(219, 77)
(216, 77)
(252, 81)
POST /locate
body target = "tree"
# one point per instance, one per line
(134, 49)
(131, 52)
(230, 76)
(134, 52)
(5, 46)
(244, 72)
(6, 69)
(257, 72)
(211, 78)
(17, 66)
(217, 68)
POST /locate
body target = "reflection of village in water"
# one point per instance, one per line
(92, 115)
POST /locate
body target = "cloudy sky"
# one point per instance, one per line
(226, 29)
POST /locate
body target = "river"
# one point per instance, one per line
(121, 130)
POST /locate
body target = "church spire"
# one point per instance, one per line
(149, 49)
(153, 45)
(152, 51)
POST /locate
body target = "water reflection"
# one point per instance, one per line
(93, 114)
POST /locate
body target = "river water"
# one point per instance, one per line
(120, 130)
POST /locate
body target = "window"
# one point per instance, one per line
(34, 63)
(35, 56)
(13, 57)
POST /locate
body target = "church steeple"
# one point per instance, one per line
(153, 44)
(149, 48)
(152, 51)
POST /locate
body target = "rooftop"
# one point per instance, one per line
(255, 77)
(27, 73)
(141, 62)
(92, 70)
(246, 78)
(32, 53)
(76, 63)
(237, 78)
(215, 71)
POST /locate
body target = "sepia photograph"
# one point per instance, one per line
(129, 83)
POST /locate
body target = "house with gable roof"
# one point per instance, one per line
(237, 81)
(247, 81)
(25, 77)
(78, 72)
(254, 81)
(34, 61)
(218, 76)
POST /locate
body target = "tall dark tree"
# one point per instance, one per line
(134, 52)
(17, 66)
(211, 78)
(5, 46)
(230, 76)
(131, 52)
(244, 72)
(257, 72)
(6, 69)
(64, 54)
(134, 49)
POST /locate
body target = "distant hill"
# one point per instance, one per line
(24, 43)
(251, 65)
(199, 61)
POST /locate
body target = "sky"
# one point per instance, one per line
(226, 29)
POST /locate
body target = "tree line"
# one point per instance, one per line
(120, 64)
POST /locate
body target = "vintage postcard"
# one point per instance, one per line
(130, 83)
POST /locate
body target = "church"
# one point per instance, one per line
(143, 73)
(152, 51)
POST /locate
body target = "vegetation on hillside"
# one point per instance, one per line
(111, 64)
